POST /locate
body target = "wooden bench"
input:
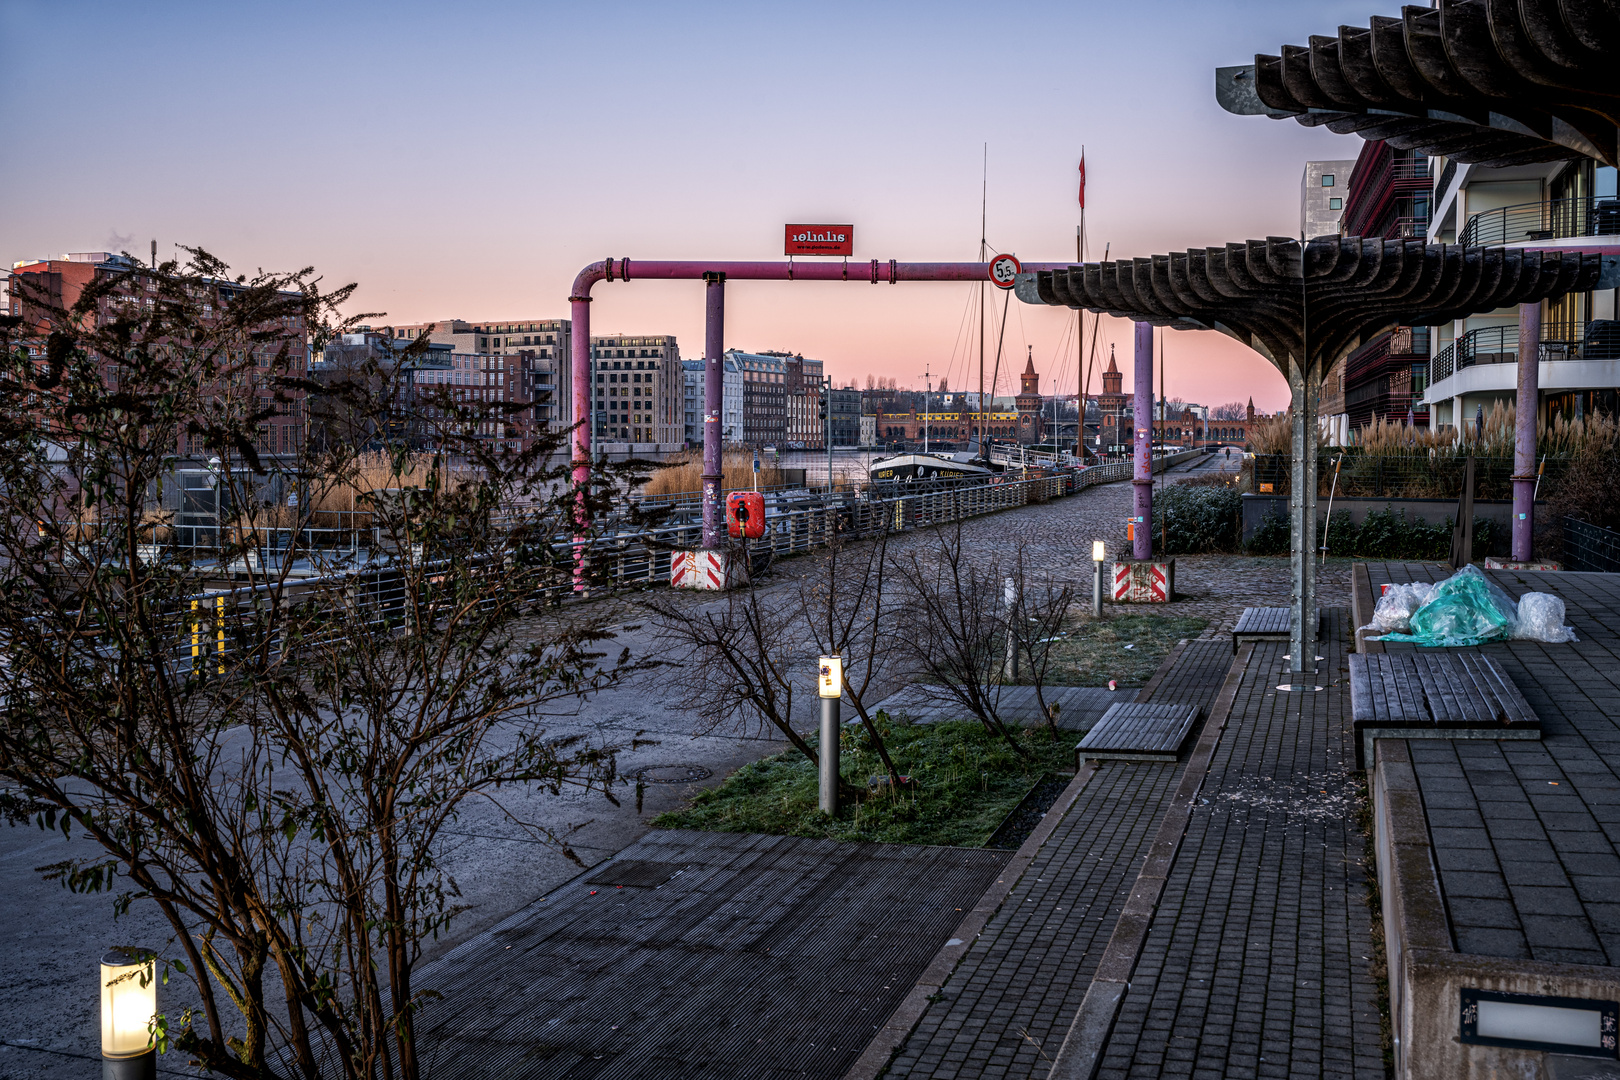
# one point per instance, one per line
(1266, 624)
(1434, 695)
(1138, 731)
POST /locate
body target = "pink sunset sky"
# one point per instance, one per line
(465, 160)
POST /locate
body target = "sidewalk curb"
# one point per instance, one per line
(1081, 1052)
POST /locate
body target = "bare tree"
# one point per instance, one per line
(1037, 623)
(1231, 410)
(267, 756)
(953, 629)
(733, 658)
(850, 610)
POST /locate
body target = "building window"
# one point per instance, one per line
(1335, 204)
(1327, 179)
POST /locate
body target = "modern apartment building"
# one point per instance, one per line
(1387, 195)
(731, 401)
(640, 389)
(764, 396)
(545, 345)
(1322, 197)
(1548, 205)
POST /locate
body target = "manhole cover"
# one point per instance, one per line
(671, 774)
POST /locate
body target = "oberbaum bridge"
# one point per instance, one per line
(1489, 82)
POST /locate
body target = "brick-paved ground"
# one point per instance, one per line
(1526, 835)
(1258, 960)
(1009, 1003)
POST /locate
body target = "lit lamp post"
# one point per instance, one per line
(831, 689)
(1099, 553)
(128, 1004)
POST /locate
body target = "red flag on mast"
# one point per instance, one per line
(1082, 179)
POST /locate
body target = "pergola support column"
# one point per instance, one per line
(1303, 383)
(1524, 438)
(1142, 478)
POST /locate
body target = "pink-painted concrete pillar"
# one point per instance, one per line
(714, 384)
(1524, 436)
(580, 307)
(1142, 480)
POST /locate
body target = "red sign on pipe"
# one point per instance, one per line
(819, 240)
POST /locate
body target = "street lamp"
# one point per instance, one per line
(128, 1005)
(1099, 553)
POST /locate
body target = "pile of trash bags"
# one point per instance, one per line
(1466, 609)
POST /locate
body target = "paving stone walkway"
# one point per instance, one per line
(1258, 962)
(1009, 1003)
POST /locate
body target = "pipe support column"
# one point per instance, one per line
(580, 419)
(1142, 478)
(714, 379)
(1524, 436)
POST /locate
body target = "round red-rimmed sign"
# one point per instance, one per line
(1003, 269)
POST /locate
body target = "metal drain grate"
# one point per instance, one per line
(637, 873)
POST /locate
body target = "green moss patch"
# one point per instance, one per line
(964, 782)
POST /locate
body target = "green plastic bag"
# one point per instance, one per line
(1466, 609)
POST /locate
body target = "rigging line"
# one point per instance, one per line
(1000, 338)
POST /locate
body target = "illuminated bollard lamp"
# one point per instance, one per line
(128, 1006)
(1099, 555)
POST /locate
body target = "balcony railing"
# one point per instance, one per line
(1597, 340)
(1531, 222)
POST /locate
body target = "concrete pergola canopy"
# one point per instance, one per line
(1306, 304)
(1489, 82)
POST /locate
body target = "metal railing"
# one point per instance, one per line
(1590, 547)
(1598, 340)
(1527, 223)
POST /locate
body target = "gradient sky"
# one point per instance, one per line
(466, 159)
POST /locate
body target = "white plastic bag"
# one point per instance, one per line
(1541, 618)
(1393, 615)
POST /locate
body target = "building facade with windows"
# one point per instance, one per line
(640, 389)
(764, 396)
(1545, 205)
(805, 388)
(39, 284)
(731, 401)
(1322, 197)
(844, 415)
(545, 345)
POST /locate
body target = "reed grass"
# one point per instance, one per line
(685, 474)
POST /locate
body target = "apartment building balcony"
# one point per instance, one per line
(1572, 356)
(1540, 222)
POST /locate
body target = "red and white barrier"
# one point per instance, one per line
(714, 571)
(1144, 582)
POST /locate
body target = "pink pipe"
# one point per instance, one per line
(1142, 474)
(874, 271)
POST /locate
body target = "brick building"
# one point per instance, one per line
(764, 397)
(59, 283)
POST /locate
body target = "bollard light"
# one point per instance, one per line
(128, 1005)
(1099, 553)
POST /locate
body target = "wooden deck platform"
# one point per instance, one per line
(1265, 624)
(1434, 695)
(1137, 731)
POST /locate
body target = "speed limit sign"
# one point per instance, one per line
(1003, 269)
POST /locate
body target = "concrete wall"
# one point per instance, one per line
(1431, 511)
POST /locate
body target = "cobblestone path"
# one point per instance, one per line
(1258, 963)
(1009, 1003)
